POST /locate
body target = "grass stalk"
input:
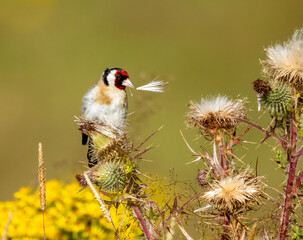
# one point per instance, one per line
(101, 203)
(98, 198)
(41, 181)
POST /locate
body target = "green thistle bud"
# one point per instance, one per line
(278, 100)
(110, 176)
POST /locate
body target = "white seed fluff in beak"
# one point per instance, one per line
(127, 83)
(153, 86)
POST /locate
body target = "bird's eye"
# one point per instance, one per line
(118, 77)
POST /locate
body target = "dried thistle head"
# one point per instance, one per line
(88, 127)
(285, 61)
(261, 86)
(234, 192)
(216, 113)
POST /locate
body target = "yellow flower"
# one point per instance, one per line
(68, 215)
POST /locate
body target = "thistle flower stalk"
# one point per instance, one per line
(292, 161)
(142, 223)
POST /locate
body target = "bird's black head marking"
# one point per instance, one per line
(104, 76)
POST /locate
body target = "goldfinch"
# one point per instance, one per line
(106, 102)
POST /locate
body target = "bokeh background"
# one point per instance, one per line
(52, 52)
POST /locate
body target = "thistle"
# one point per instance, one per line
(109, 149)
(88, 127)
(110, 176)
(105, 144)
(278, 100)
(285, 61)
(261, 86)
(234, 192)
(216, 113)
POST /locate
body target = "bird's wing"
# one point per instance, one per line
(87, 100)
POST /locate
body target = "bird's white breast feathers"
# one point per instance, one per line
(108, 106)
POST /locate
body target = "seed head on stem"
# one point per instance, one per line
(234, 192)
(216, 113)
(285, 61)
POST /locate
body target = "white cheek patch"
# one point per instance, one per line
(111, 78)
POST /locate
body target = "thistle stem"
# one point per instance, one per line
(226, 222)
(215, 163)
(222, 156)
(142, 223)
(292, 160)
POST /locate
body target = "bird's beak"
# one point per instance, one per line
(127, 83)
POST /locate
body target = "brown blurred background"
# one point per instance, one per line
(52, 52)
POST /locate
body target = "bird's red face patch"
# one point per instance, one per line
(120, 76)
(122, 73)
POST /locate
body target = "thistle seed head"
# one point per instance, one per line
(285, 61)
(234, 192)
(216, 113)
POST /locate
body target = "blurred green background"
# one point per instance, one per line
(52, 52)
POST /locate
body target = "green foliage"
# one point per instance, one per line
(297, 233)
(280, 159)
